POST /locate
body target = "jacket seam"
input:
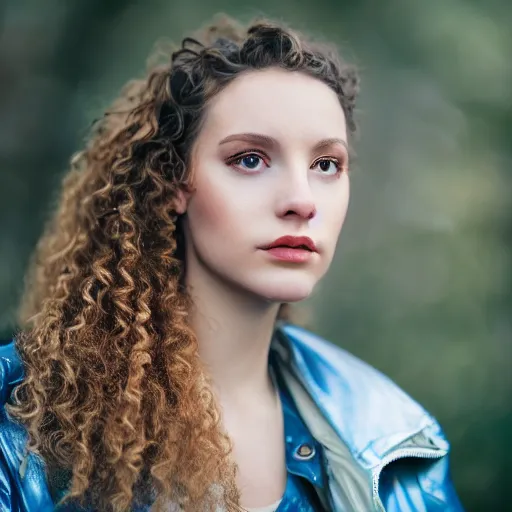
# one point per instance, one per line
(360, 454)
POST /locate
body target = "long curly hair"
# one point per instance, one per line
(115, 396)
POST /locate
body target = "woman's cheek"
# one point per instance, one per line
(209, 205)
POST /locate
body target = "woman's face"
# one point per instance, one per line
(268, 162)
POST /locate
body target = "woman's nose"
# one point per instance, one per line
(297, 200)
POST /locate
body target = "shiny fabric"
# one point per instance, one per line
(399, 445)
(304, 473)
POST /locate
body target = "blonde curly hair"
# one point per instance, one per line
(114, 394)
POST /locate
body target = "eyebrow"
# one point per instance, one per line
(270, 142)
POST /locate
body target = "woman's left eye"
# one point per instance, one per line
(328, 166)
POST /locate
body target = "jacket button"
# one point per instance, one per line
(304, 452)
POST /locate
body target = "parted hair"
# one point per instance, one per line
(114, 396)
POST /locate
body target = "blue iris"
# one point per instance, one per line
(251, 161)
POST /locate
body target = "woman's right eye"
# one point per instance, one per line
(249, 162)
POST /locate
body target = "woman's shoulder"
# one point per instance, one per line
(371, 416)
(12, 438)
(366, 407)
(11, 369)
(22, 477)
(321, 358)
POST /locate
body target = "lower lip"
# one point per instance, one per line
(290, 254)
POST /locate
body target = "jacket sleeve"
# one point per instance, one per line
(404, 488)
(437, 483)
(6, 503)
(11, 370)
(19, 490)
(9, 374)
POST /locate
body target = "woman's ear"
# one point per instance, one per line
(181, 201)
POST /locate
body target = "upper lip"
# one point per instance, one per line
(293, 241)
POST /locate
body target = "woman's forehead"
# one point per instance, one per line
(278, 103)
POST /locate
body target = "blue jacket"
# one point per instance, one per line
(383, 430)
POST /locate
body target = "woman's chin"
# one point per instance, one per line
(286, 292)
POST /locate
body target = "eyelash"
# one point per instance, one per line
(238, 157)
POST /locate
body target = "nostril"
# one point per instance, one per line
(311, 214)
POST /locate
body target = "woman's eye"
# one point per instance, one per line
(328, 166)
(249, 162)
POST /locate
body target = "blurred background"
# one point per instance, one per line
(421, 286)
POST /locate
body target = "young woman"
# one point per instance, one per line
(156, 368)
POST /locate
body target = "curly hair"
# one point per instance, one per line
(114, 394)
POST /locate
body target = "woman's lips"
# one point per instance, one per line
(293, 249)
(295, 242)
(290, 254)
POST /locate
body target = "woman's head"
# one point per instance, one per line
(271, 83)
(270, 160)
(241, 139)
(266, 154)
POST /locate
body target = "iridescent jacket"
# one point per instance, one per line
(383, 451)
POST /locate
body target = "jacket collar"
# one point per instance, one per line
(367, 410)
(297, 436)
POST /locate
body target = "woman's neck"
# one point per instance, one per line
(234, 331)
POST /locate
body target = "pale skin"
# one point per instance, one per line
(282, 179)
